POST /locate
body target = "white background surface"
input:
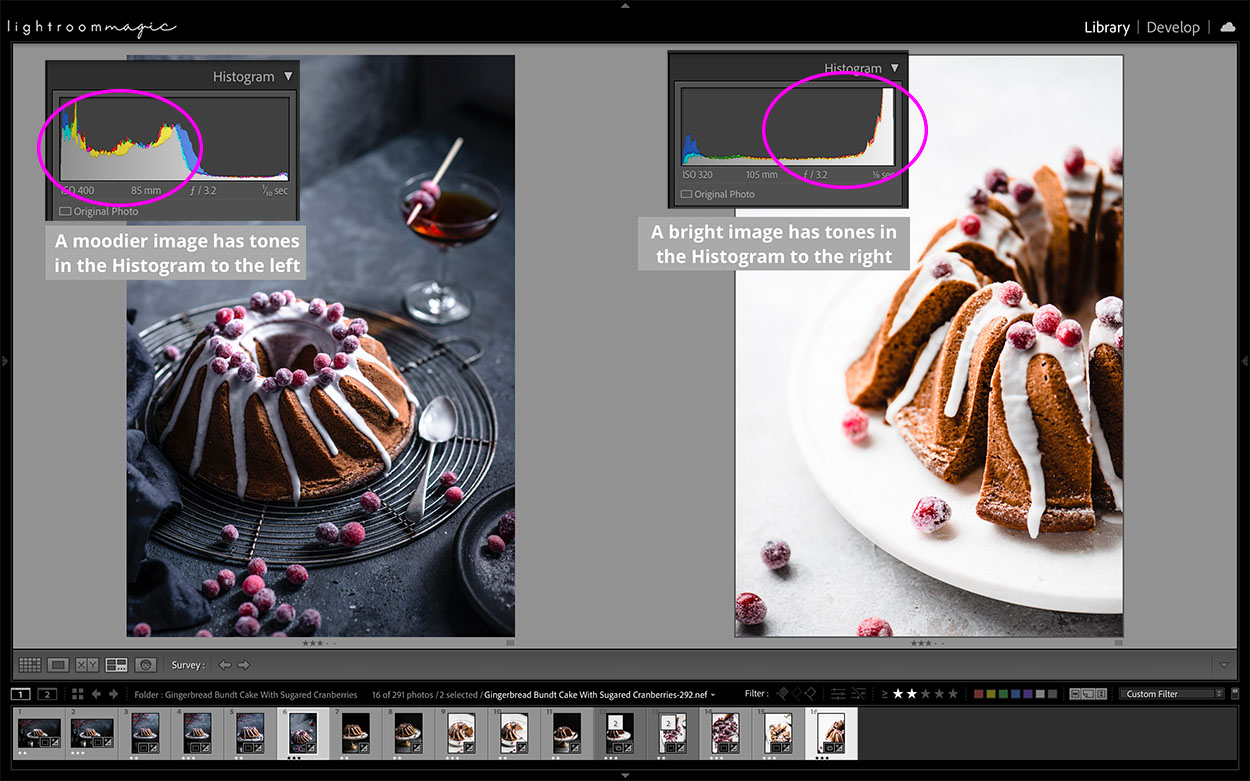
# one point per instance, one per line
(984, 112)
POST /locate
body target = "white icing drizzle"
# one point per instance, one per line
(1078, 192)
(1112, 190)
(992, 310)
(1018, 412)
(925, 283)
(286, 330)
(997, 233)
(1034, 224)
(1101, 333)
(918, 372)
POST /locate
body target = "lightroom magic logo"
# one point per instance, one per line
(41, 27)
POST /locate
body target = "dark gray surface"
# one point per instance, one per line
(360, 252)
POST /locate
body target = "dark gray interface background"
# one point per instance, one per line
(625, 399)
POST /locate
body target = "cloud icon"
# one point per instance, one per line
(1228, 28)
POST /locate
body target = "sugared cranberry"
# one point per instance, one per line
(1047, 319)
(941, 268)
(979, 199)
(276, 301)
(327, 532)
(247, 626)
(453, 495)
(211, 328)
(1074, 161)
(326, 377)
(210, 588)
(855, 424)
(320, 361)
(247, 371)
(340, 361)
(1119, 338)
(234, 329)
(269, 385)
(226, 578)
(224, 315)
(214, 342)
(264, 600)
(308, 622)
(358, 326)
(237, 358)
(240, 312)
(334, 312)
(970, 224)
(278, 634)
(1110, 310)
(352, 534)
(249, 609)
(172, 352)
(1022, 335)
(431, 188)
(775, 554)
(289, 295)
(932, 512)
(142, 629)
(448, 478)
(204, 633)
(507, 526)
(339, 331)
(874, 627)
(258, 302)
(298, 378)
(229, 534)
(224, 350)
(282, 377)
(1069, 333)
(257, 566)
(1117, 161)
(219, 366)
(496, 543)
(317, 307)
(1010, 293)
(370, 502)
(1023, 193)
(996, 181)
(296, 575)
(285, 613)
(252, 584)
(350, 344)
(421, 197)
(749, 608)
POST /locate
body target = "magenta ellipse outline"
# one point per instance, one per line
(42, 128)
(899, 87)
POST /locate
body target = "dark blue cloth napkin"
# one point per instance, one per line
(157, 593)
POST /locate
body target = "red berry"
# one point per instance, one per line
(285, 613)
(453, 495)
(309, 621)
(874, 627)
(334, 312)
(340, 361)
(1117, 161)
(298, 378)
(240, 312)
(855, 424)
(359, 326)
(223, 350)
(421, 197)
(258, 302)
(1110, 310)
(204, 633)
(219, 365)
(326, 377)
(142, 629)
(1069, 333)
(979, 199)
(749, 608)
(1022, 335)
(352, 534)
(289, 295)
(339, 331)
(1074, 161)
(276, 301)
(237, 358)
(226, 579)
(210, 588)
(941, 267)
(1023, 193)
(296, 575)
(1047, 319)
(317, 307)
(507, 526)
(247, 371)
(350, 344)
(431, 188)
(327, 532)
(224, 315)
(249, 609)
(1119, 338)
(448, 478)
(264, 600)
(369, 502)
(931, 512)
(496, 543)
(996, 181)
(970, 224)
(234, 329)
(229, 533)
(278, 634)
(252, 584)
(247, 626)
(283, 377)
(775, 554)
(321, 361)
(172, 352)
(1010, 294)
(257, 566)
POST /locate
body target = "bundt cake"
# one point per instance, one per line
(928, 297)
(1106, 395)
(285, 399)
(1109, 265)
(988, 238)
(941, 411)
(1072, 200)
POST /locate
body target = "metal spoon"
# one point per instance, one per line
(437, 425)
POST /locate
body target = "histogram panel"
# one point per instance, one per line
(816, 125)
(110, 139)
